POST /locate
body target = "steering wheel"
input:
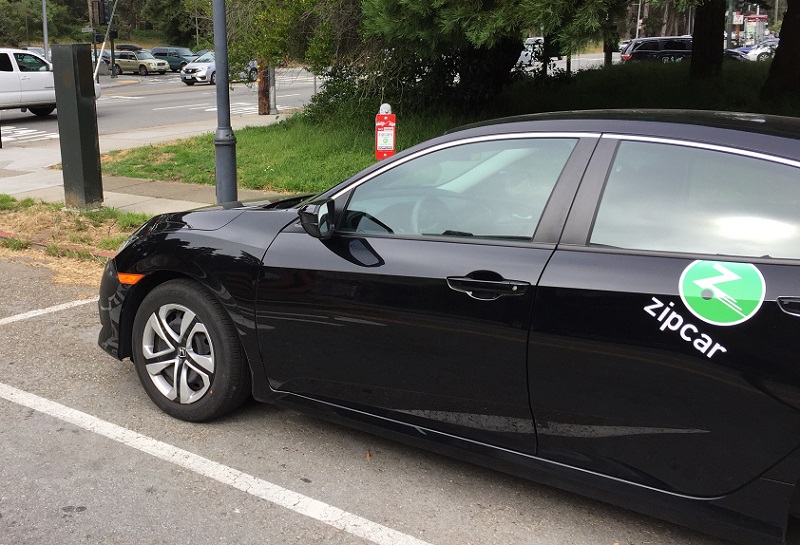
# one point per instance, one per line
(427, 213)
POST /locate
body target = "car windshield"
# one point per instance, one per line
(142, 55)
(207, 57)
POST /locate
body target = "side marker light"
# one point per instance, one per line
(129, 279)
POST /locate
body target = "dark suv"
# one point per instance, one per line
(659, 49)
(176, 57)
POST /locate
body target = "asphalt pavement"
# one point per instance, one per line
(31, 171)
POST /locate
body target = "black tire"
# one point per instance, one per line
(189, 82)
(143, 70)
(117, 70)
(182, 330)
(41, 112)
(213, 79)
(763, 56)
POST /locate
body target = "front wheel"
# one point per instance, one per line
(41, 112)
(143, 70)
(187, 353)
(213, 79)
(117, 70)
(763, 56)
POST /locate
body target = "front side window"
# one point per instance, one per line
(666, 197)
(492, 189)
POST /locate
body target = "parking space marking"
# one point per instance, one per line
(283, 497)
(48, 310)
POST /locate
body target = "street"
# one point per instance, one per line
(136, 102)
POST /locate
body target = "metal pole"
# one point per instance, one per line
(638, 18)
(729, 27)
(273, 104)
(224, 139)
(44, 28)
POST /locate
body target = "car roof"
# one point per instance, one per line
(17, 50)
(773, 135)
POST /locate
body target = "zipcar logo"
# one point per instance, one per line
(721, 293)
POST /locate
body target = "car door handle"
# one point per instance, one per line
(487, 290)
(790, 305)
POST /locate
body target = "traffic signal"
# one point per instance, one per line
(103, 12)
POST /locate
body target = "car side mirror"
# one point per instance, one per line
(317, 218)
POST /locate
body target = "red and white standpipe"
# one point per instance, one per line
(385, 135)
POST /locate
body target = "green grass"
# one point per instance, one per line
(112, 243)
(15, 244)
(81, 255)
(305, 154)
(11, 204)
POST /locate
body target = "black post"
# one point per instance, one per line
(77, 125)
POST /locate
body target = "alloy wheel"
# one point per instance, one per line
(179, 354)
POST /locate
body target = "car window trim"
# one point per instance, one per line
(705, 145)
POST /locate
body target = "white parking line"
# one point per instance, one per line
(48, 310)
(283, 497)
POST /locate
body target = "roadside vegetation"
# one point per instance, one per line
(334, 138)
(86, 235)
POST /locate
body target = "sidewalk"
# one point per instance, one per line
(27, 172)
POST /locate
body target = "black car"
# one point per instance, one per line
(658, 49)
(601, 301)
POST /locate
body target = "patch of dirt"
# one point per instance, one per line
(68, 271)
(63, 232)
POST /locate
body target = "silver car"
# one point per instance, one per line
(201, 70)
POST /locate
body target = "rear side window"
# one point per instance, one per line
(5, 63)
(675, 45)
(666, 197)
(30, 63)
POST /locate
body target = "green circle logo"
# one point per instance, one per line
(722, 293)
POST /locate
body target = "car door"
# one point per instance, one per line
(36, 79)
(663, 347)
(127, 61)
(9, 82)
(418, 308)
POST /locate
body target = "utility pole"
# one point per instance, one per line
(44, 29)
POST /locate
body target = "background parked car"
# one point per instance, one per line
(659, 49)
(761, 51)
(141, 62)
(176, 57)
(26, 82)
(201, 70)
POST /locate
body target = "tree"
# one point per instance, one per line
(706, 39)
(783, 82)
